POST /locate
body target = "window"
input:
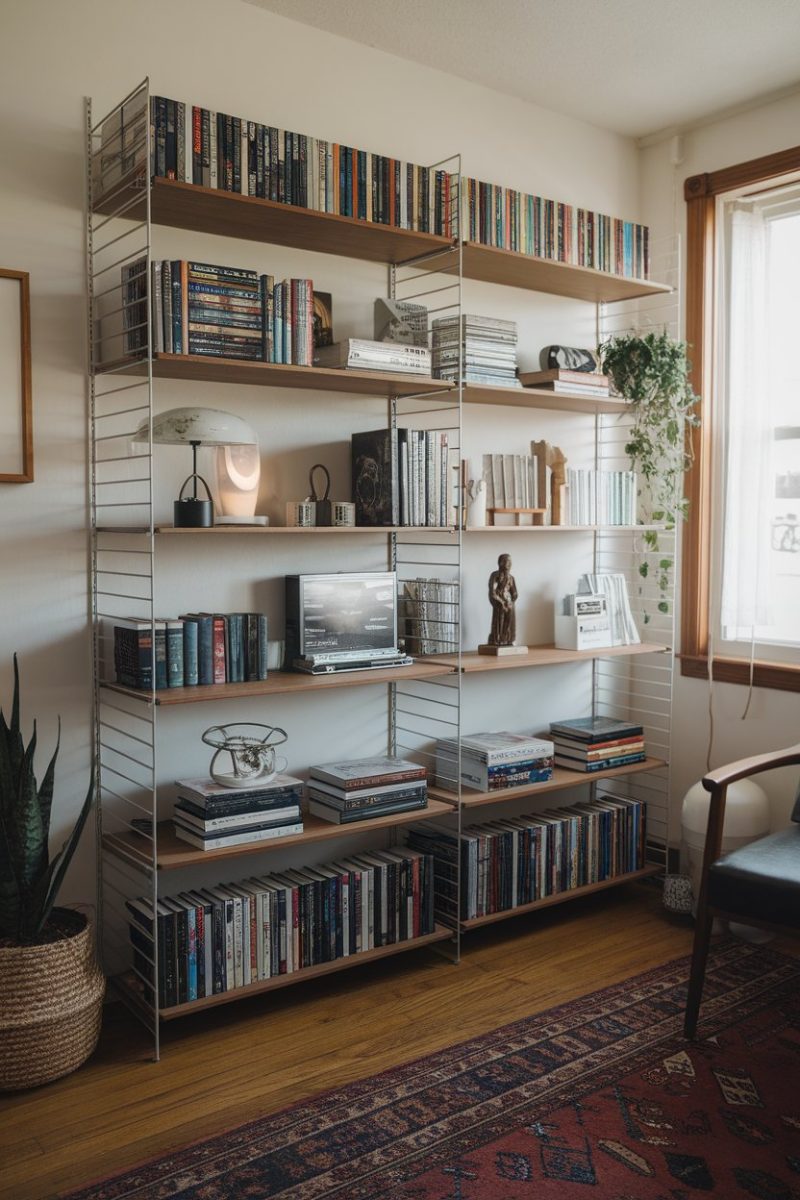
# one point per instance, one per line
(741, 587)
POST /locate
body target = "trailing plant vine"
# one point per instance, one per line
(652, 373)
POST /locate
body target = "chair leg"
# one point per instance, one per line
(702, 940)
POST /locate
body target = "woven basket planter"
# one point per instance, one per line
(51, 998)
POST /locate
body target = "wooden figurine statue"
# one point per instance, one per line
(503, 598)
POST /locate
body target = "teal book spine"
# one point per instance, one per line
(174, 638)
(161, 655)
(191, 672)
(262, 646)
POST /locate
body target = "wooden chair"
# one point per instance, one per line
(758, 884)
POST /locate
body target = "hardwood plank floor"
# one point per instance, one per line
(224, 1067)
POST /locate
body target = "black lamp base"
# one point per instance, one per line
(193, 513)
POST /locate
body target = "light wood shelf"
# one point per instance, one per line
(541, 398)
(562, 779)
(131, 989)
(561, 528)
(560, 897)
(542, 656)
(282, 683)
(207, 368)
(229, 214)
(174, 853)
(300, 530)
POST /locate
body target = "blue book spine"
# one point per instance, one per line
(161, 656)
(262, 646)
(190, 653)
(205, 650)
(191, 954)
(236, 670)
(174, 639)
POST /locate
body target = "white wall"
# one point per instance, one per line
(773, 720)
(237, 58)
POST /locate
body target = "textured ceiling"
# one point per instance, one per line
(633, 66)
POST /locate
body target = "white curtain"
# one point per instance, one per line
(749, 481)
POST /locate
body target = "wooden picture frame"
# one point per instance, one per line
(16, 415)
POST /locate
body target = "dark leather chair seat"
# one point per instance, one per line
(760, 880)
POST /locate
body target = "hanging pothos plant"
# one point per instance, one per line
(652, 373)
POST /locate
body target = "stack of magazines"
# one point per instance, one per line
(485, 347)
(361, 788)
(364, 354)
(211, 817)
(491, 762)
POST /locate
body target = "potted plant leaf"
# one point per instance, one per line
(652, 373)
(51, 989)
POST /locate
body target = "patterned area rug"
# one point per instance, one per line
(599, 1098)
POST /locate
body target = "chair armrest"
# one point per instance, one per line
(745, 767)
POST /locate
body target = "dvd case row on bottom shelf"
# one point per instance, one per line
(216, 939)
(515, 861)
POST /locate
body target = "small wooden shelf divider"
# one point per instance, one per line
(131, 991)
(561, 897)
(173, 853)
(562, 779)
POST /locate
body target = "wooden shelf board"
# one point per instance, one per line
(283, 682)
(561, 897)
(292, 530)
(542, 656)
(560, 528)
(132, 990)
(541, 398)
(492, 265)
(206, 368)
(562, 779)
(229, 214)
(173, 853)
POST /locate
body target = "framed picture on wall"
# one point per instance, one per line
(16, 425)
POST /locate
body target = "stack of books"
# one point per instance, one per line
(515, 861)
(227, 312)
(512, 220)
(600, 497)
(491, 762)
(195, 648)
(487, 347)
(362, 788)
(567, 383)
(212, 817)
(364, 354)
(591, 744)
(216, 939)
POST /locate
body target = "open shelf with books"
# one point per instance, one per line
(174, 854)
(560, 781)
(423, 700)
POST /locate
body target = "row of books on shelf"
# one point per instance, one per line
(512, 480)
(197, 145)
(475, 349)
(429, 611)
(515, 861)
(195, 648)
(218, 150)
(213, 940)
(201, 308)
(600, 497)
(403, 477)
(513, 220)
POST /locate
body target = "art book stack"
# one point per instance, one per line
(567, 383)
(485, 348)
(491, 762)
(211, 817)
(215, 939)
(364, 354)
(363, 788)
(592, 744)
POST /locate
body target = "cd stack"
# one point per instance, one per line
(486, 347)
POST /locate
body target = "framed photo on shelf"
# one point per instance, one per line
(16, 425)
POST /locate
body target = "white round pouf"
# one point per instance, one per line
(747, 817)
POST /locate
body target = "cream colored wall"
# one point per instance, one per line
(773, 720)
(237, 58)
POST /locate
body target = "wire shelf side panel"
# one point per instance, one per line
(640, 688)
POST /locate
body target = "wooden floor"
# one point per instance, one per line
(224, 1067)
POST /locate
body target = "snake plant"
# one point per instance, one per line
(29, 878)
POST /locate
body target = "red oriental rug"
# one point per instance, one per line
(599, 1098)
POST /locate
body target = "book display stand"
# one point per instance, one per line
(423, 701)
